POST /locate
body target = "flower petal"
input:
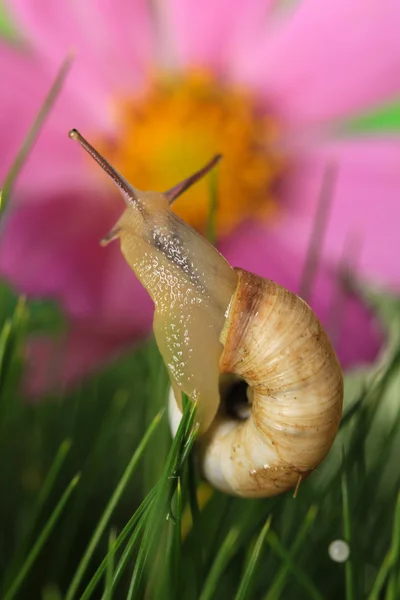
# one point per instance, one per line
(365, 204)
(54, 160)
(109, 40)
(51, 248)
(205, 33)
(353, 329)
(325, 60)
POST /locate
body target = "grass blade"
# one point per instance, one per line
(376, 388)
(92, 467)
(193, 500)
(349, 575)
(223, 558)
(34, 131)
(245, 585)
(300, 575)
(213, 207)
(392, 591)
(168, 557)
(33, 554)
(43, 496)
(314, 250)
(175, 542)
(166, 487)
(137, 532)
(133, 521)
(11, 339)
(278, 584)
(110, 565)
(110, 508)
(381, 577)
(51, 477)
(389, 566)
(5, 337)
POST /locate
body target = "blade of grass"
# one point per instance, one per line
(349, 574)
(193, 501)
(52, 474)
(11, 339)
(392, 591)
(110, 565)
(388, 566)
(321, 218)
(300, 575)
(245, 585)
(137, 532)
(220, 563)
(110, 508)
(51, 592)
(176, 538)
(168, 559)
(341, 292)
(381, 577)
(33, 554)
(133, 521)
(375, 389)
(213, 207)
(165, 490)
(92, 469)
(195, 518)
(51, 477)
(278, 584)
(187, 448)
(34, 131)
(7, 26)
(157, 384)
(168, 583)
(4, 341)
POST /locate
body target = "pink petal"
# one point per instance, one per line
(51, 248)
(204, 33)
(325, 59)
(112, 43)
(351, 326)
(54, 160)
(365, 205)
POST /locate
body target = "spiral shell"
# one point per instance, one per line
(274, 341)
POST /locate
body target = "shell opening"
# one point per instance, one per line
(236, 398)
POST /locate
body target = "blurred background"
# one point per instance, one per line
(302, 98)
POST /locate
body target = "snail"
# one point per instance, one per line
(252, 354)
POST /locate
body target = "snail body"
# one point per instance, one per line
(216, 325)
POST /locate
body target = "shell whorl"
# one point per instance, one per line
(274, 341)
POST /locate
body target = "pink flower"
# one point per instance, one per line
(270, 87)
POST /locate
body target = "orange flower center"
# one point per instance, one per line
(176, 126)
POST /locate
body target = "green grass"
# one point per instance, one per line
(118, 532)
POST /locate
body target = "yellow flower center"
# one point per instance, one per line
(176, 125)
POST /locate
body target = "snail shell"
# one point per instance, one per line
(215, 325)
(276, 344)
